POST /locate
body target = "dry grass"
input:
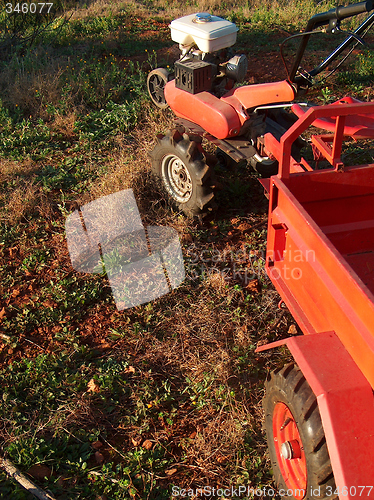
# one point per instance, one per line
(32, 82)
(22, 199)
(64, 124)
(246, 8)
(129, 170)
(96, 8)
(169, 10)
(21, 202)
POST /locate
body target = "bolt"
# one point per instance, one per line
(286, 422)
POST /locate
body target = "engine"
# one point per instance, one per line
(205, 41)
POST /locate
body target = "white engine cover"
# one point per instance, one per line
(209, 33)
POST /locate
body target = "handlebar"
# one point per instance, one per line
(339, 13)
(354, 9)
(331, 17)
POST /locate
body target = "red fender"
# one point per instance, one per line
(251, 96)
(224, 117)
(216, 117)
(346, 404)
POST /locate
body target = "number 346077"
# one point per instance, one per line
(25, 8)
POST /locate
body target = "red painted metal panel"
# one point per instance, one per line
(316, 281)
(252, 96)
(215, 116)
(273, 150)
(346, 403)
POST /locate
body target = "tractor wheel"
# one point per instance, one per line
(156, 81)
(296, 440)
(180, 164)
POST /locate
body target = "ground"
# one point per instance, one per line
(99, 403)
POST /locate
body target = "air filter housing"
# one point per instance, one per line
(193, 76)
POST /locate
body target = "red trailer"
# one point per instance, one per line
(320, 256)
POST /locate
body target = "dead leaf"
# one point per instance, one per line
(147, 444)
(192, 435)
(244, 226)
(253, 286)
(40, 471)
(93, 386)
(170, 472)
(49, 303)
(2, 313)
(12, 251)
(97, 445)
(292, 330)
(136, 441)
(129, 369)
(15, 293)
(99, 457)
(221, 459)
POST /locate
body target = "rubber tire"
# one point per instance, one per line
(162, 76)
(290, 387)
(188, 151)
(266, 168)
(224, 159)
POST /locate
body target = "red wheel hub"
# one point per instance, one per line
(290, 451)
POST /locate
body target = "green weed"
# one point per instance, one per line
(361, 75)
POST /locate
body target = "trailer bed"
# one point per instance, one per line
(321, 254)
(342, 205)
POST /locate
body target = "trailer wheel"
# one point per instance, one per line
(296, 439)
(180, 164)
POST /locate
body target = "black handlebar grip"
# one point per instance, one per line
(354, 9)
